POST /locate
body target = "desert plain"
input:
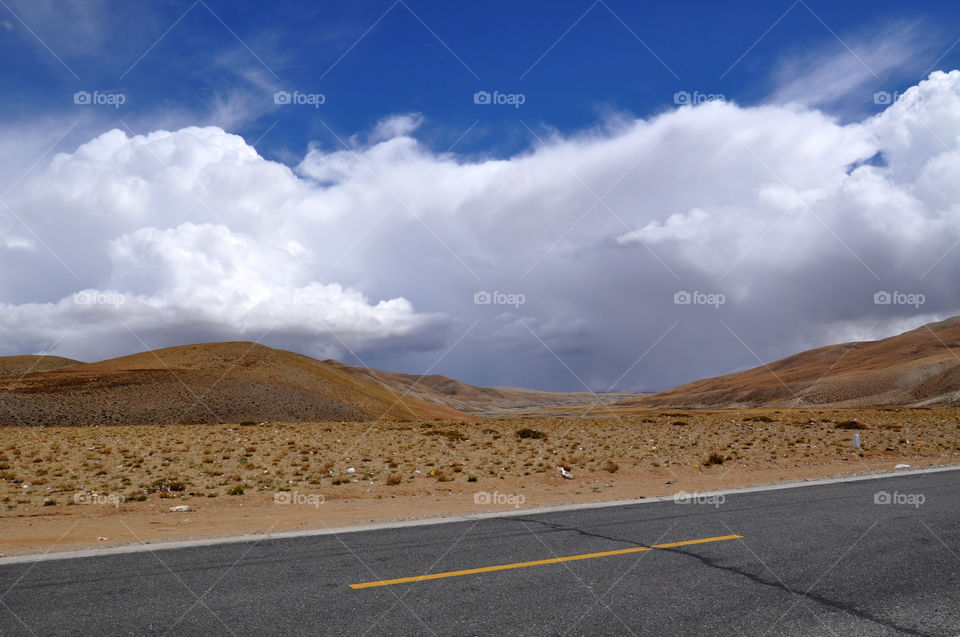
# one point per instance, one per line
(67, 487)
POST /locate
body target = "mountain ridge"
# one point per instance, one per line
(240, 381)
(199, 383)
(915, 368)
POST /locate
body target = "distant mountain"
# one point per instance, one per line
(207, 383)
(920, 367)
(236, 382)
(484, 401)
(20, 365)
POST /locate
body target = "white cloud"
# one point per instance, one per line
(852, 68)
(396, 126)
(117, 211)
(205, 239)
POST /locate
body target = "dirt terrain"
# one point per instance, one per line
(16, 366)
(480, 401)
(64, 487)
(235, 382)
(208, 383)
(920, 367)
(253, 439)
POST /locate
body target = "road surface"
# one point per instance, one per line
(872, 557)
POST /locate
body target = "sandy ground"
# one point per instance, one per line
(68, 487)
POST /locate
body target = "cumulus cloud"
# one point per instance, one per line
(380, 250)
(184, 232)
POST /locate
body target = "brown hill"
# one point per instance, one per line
(20, 365)
(481, 401)
(235, 382)
(920, 367)
(208, 383)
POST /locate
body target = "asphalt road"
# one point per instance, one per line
(817, 560)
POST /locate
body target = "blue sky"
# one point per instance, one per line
(792, 158)
(575, 62)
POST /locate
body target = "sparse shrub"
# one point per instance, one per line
(236, 490)
(526, 432)
(166, 484)
(679, 423)
(442, 475)
(394, 479)
(714, 458)
(851, 424)
(610, 466)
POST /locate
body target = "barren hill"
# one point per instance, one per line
(920, 367)
(471, 399)
(20, 365)
(208, 383)
(235, 382)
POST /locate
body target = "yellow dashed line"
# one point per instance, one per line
(553, 560)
